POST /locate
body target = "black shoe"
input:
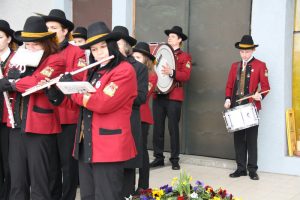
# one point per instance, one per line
(175, 166)
(157, 162)
(254, 176)
(238, 173)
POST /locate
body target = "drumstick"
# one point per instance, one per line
(248, 97)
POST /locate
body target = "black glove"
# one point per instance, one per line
(5, 85)
(66, 78)
(55, 96)
(14, 73)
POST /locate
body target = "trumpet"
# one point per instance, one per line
(56, 80)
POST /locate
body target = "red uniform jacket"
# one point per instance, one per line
(111, 105)
(181, 74)
(6, 68)
(74, 59)
(146, 115)
(42, 116)
(259, 75)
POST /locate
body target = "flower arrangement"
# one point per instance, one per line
(181, 189)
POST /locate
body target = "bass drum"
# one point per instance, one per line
(164, 54)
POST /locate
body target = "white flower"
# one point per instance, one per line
(194, 195)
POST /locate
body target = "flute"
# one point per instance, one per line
(8, 105)
(56, 80)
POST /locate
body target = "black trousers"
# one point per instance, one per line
(162, 108)
(30, 158)
(66, 181)
(245, 143)
(101, 181)
(128, 182)
(145, 170)
(4, 166)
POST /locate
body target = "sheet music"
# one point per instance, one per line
(75, 87)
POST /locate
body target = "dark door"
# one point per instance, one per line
(213, 26)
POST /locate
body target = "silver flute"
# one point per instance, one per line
(56, 80)
(8, 105)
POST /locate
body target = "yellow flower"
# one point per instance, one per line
(191, 178)
(216, 198)
(157, 193)
(236, 198)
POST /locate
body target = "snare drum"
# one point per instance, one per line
(241, 117)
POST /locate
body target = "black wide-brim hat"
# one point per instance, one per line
(98, 32)
(80, 32)
(246, 43)
(124, 34)
(58, 16)
(177, 30)
(143, 47)
(34, 30)
(5, 27)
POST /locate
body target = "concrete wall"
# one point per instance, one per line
(272, 28)
(122, 14)
(17, 11)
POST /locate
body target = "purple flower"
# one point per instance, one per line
(199, 183)
(143, 197)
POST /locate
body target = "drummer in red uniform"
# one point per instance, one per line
(244, 78)
(169, 105)
(141, 52)
(32, 143)
(75, 58)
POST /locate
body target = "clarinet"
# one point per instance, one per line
(8, 105)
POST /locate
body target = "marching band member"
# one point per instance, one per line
(125, 46)
(75, 58)
(141, 52)
(244, 78)
(7, 45)
(32, 144)
(79, 36)
(169, 105)
(103, 138)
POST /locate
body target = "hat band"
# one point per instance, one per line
(76, 33)
(37, 35)
(246, 45)
(91, 39)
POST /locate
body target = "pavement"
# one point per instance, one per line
(214, 172)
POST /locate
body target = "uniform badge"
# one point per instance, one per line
(149, 86)
(266, 73)
(188, 65)
(47, 71)
(98, 84)
(252, 70)
(110, 89)
(81, 62)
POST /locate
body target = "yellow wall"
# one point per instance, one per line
(296, 68)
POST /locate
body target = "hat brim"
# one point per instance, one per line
(144, 52)
(78, 35)
(19, 38)
(68, 24)
(111, 36)
(183, 36)
(237, 45)
(131, 41)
